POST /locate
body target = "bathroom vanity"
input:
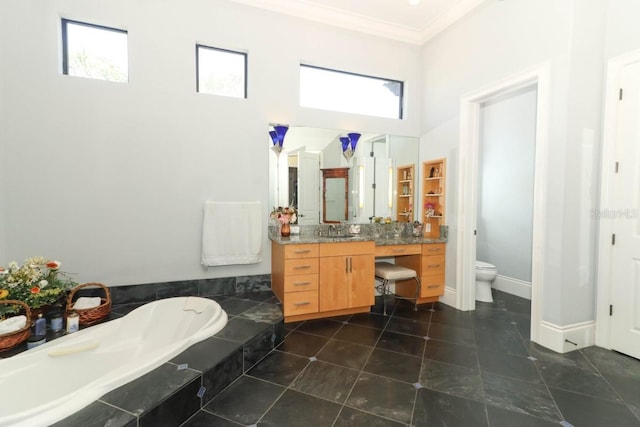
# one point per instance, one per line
(317, 277)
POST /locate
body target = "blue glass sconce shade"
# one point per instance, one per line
(349, 144)
(277, 137)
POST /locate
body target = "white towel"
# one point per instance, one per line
(12, 324)
(83, 303)
(232, 233)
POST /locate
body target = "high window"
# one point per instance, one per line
(94, 51)
(350, 93)
(221, 72)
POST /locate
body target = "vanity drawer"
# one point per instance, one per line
(398, 250)
(432, 285)
(301, 302)
(433, 264)
(433, 249)
(309, 250)
(294, 267)
(304, 282)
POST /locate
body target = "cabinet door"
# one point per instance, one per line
(362, 272)
(334, 287)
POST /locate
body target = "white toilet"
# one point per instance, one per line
(485, 275)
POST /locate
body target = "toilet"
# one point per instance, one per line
(485, 275)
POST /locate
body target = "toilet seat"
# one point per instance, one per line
(481, 265)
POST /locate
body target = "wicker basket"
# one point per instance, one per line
(89, 316)
(12, 339)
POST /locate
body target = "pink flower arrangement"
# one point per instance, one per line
(284, 215)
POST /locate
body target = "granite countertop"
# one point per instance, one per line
(303, 238)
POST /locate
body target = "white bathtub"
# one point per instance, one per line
(48, 383)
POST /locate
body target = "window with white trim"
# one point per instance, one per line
(221, 72)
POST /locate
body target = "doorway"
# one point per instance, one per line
(468, 187)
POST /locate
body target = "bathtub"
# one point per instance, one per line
(48, 383)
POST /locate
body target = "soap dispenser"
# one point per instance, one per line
(40, 326)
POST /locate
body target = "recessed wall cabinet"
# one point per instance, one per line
(433, 197)
(405, 193)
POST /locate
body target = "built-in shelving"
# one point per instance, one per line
(405, 193)
(433, 198)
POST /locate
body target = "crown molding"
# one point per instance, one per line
(355, 22)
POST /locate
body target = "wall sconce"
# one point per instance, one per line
(277, 137)
(349, 143)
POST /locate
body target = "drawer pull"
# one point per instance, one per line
(301, 283)
(433, 265)
(434, 250)
(433, 286)
(302, 251)
(399, 251)
(301, 267)
(298, 304)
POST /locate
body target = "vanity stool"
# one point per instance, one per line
(391, 272)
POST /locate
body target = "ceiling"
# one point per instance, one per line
(393, 19)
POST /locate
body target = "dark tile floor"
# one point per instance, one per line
(433, 367)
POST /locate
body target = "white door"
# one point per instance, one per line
(625, 217)
(308, 188)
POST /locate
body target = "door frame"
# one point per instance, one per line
(607, 171)
(468, 175)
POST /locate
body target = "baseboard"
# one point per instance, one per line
(513, 286)
(449, 297)
(563, 339)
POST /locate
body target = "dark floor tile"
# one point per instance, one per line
(401, 343)
(294, 408)
(323, 327)
(402, 367)
(586, 411)
(451, 334)
(455, 354)
(517, 367)
(258, 347)
(408, 326)
(612, 362)
(345, 354)
(572, 359)
(242, 330)
(176, 409)
(452, 379)
(205, 419)
(439, 409)
(245, 401)
(350, 417)
(628, 388)
(523, 324)
(576, 380)
(371, 320)
(499, 417)
(303, 344)
(405, 309)
(383, 396)
(459, 319)
(519, 396)
(280, 368)
(504, 338)
(324, 380)
(358, 335)
(514, 303)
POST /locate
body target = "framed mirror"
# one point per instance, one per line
(295, 175)
(335, 195)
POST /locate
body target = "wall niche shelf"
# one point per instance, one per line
(433, 198)
(404, 193)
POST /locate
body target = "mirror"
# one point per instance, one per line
(295, 174)
(335, 195)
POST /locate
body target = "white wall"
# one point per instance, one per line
(110, 178)
(499, 40)
(505, 186)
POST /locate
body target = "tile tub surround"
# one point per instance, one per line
(434, 367)
(173, 392)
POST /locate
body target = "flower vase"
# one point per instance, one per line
(285, 230)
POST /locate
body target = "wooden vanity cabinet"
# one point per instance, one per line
(321, 280)
(430, 265)
(294, 277)
(346, 275)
